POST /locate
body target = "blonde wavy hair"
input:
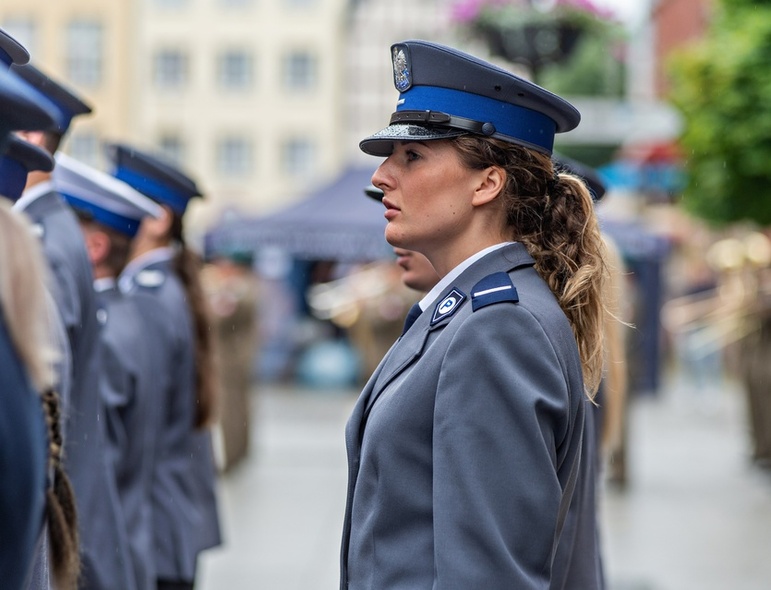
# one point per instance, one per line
(23, 296)
(552, 213)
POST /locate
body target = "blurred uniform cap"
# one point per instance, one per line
(20, 158)
(21, 106)
(586, 173)
(101, 197)
(153, 176)
(446, 93)
(11, 51)
(68, 105)
(373, 192)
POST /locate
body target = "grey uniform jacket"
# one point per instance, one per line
(464, 446)
(103, 541)
(183, 493)
(130, 389)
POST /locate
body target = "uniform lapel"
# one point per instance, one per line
(411, 345)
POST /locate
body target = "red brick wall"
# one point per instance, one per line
(676, 23)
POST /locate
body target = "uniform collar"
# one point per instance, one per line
(33, 193)
(450, 277)
(155, 256)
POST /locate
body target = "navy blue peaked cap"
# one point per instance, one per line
(19, 159)
(21, 108)
(102, 197)
(11, 51)
(446, 93)
(153, 176)
(67, 104)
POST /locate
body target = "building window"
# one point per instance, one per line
(23, 30)
(84, 52)
(84, 147)
(172, 147)
(235, 157)
(235, 70)
(298, 158)
(299, 71)
(170, 68)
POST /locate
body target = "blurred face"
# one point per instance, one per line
(427, 195)
(418, 274)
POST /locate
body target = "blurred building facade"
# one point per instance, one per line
(264, 101)
(246, 95)
(85, 44)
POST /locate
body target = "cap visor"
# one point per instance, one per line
(382, 142)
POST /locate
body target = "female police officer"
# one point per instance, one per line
(184, 503)
(465, 444)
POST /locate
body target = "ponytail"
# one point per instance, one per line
(61, 514)
(552, 214)
(188, 266)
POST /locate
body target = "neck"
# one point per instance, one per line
(36, 177)
(144, 244)
(486, 227)
(102, 271)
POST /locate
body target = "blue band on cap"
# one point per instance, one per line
(13, 178)
(123, 224)
(510, 120)
(151, 188)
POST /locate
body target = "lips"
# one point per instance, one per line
(391, 209)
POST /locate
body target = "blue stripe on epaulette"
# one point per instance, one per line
(493, 288)
(448, 305)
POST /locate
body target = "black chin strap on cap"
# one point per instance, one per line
(443, 120)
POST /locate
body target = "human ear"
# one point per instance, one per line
(490, 185)
(98, 245)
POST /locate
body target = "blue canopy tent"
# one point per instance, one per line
(336, 222)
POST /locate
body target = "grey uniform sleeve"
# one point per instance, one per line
(502, 409)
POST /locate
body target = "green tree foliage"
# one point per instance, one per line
(594, 69)
(723, 88)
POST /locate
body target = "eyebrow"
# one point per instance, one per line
(414, 141)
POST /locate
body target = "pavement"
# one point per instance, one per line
(695, 513)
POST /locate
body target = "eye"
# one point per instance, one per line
(412, 155)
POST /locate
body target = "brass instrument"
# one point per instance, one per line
(374, 285)
(721, 316)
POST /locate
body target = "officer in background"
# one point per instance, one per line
(131, 378)
(104, 550)
(25, 370)
(184, 495)
(231, 290)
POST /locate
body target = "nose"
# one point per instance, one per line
(381, 178)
